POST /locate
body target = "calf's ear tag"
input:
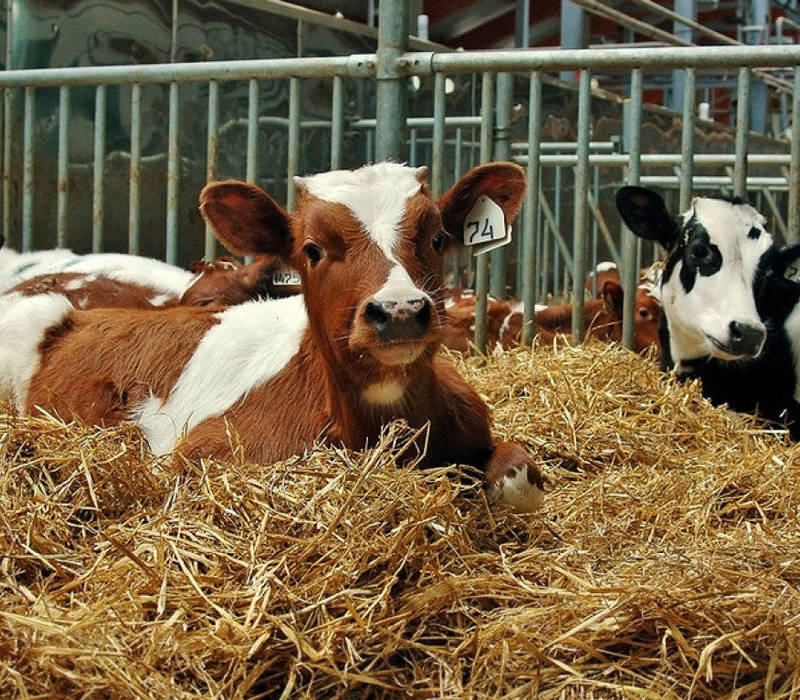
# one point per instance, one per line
(285, 277)
(485, 226)
(792, 272)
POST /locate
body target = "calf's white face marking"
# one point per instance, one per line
(707, 289)
(377, 196)
(711, 284)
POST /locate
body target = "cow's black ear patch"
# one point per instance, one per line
(754, 232)
(644, 213)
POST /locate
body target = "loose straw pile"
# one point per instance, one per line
(665, 561)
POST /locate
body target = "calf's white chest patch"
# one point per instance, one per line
(384, 393)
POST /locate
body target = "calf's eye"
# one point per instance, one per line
(438, 242)
(699, 252)
(313, 253)
(644, 313)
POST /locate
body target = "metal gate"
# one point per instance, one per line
(545, 251)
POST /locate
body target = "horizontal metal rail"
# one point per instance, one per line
(422, 63)
(622, 160)
(621, 59)
(354, 66)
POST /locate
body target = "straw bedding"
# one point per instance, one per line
(664, 563)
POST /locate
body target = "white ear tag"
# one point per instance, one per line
(285, 277)
(792, 272)
(485, 226)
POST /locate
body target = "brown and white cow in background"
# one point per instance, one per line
(108, 280)
(357, 350)
(602, 320)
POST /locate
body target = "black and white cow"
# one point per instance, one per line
(730, 299)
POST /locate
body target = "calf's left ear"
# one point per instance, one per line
(245, 219)
(613, 297)
(502, 182)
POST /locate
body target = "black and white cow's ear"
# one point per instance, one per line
(644, 213)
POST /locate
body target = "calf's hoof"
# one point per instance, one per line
(513, 479)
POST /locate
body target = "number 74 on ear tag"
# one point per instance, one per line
(485, 226)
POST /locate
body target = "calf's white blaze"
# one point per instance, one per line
(375, 194)
(251, 344)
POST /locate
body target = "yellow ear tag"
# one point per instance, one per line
(285, 277)
(485, 226)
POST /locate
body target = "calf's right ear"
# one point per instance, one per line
(644, 213)
(502, 182)
(245, 219)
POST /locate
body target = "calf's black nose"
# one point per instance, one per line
(746, 338)
(399, 320)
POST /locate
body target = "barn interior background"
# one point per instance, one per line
(114, 160)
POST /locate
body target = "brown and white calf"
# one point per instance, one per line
(358, 349)
(222, 282)
(602, 319)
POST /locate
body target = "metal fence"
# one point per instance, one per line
(451, 142)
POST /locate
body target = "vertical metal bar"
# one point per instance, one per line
(134, 199)
(412, 147)
(437, 161)
(27, 170)
(390, 109)
(7, 129)
(293, 155)
(793, 235)
(457, 159)
(629, 242)
(581, 189)
(337, 122)
(531, 207)
(2, 137)
(687, 140)
(173, 45)
(545, 258)
(482, 262)
(596, 198)
(173, 176)
(252, 130)
(540, 252)
(742, 129)
(211, 157)
(99, 163)
(502, 151)
(63, 167)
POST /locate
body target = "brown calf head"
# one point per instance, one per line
(368, 245)
(226, 281)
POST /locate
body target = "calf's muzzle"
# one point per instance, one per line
(746, 339)
(396, 321)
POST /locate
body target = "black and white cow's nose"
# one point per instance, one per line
(399, 320)
(746, 338)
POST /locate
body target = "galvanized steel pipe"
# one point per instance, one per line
(173, 176)
(531, 207)
(62, 186)
(580, 219)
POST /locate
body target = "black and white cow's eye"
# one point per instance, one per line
(699, 252)
(313, 253)
(438, 242)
